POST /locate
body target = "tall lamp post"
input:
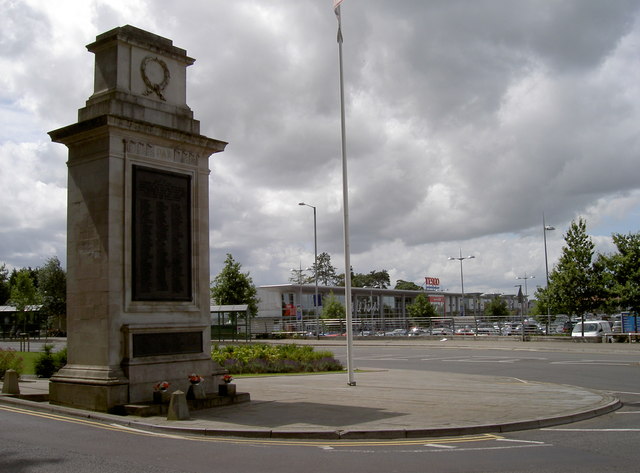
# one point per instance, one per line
(461, 259)
(315, 268)
(526, 292)
(299, 310)
(546, 228)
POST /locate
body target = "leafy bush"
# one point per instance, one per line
(9, 360)
(48, 362)
(263, 358)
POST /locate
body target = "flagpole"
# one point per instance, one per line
(345, 210)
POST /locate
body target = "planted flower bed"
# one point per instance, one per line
(263, 358)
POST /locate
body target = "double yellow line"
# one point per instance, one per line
(335, 444)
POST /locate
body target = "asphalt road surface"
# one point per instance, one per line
(37, 442)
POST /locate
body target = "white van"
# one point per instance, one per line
(593, 330)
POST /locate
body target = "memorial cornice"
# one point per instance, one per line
(79, 131)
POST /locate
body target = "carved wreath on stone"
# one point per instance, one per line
(155, 87)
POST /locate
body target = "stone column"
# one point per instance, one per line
(137, 229)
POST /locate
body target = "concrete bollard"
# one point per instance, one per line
(10, 385)
(178, 408)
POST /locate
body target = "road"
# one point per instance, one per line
(32, 442)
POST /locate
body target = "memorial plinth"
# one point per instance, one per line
(137, 229)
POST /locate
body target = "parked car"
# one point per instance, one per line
(465, 331)
(486, 331)
(399, 332)
(593, 329)
(440, 331)
(417, 332)
(530, 328)
(617, 326)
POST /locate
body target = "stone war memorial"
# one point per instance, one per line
(137, 230)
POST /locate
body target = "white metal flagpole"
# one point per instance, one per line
(345, 197)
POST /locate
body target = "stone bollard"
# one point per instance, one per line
(10, 385)
(178, 408)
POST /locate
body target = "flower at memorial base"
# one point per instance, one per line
(195, 378)
(227, 378)
(163, 386)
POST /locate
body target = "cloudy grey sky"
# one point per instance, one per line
(466, 120)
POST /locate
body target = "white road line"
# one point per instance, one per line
(147, 432)
(435, 445)
(520, 441)
(593, 430)
(593, 362)
(447, 450)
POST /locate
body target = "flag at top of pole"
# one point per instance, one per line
(336, 9)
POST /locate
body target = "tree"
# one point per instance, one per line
(421, 308)
(407, 285)
(332, 308)
(52, 289)
(23, 295)
(5, 287)
(232, 287)
(326, 272)
(379, 279)
(496, 308)
(622, 276)
(572, 283)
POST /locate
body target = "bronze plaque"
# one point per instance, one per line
(170, 343)
(161, 230)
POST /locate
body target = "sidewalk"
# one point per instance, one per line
(383, 404)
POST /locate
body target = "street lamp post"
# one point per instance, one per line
(546, 228)
(461, 259)
(315, 268)
(526, 293)
(521, 302)
(299, 310)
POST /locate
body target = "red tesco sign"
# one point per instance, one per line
(432, 282)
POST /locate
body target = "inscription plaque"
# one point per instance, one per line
(156, 344)
(161, 232)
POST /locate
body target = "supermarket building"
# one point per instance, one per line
(290, 307)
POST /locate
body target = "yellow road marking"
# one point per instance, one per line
(337, 443)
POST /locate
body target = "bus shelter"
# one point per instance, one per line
(230, 322)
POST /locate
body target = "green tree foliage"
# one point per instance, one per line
(232, 287)
(23, 295)
(10, 360)
(332, 308)
(326, 272)
(622, 272)
(23, 291)
(298, 277)
(421, 308)
(379, 279)
(573, 287)
(52, 289)
(5, 287)
(407, 286)
(497, 307)
(49, 362)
